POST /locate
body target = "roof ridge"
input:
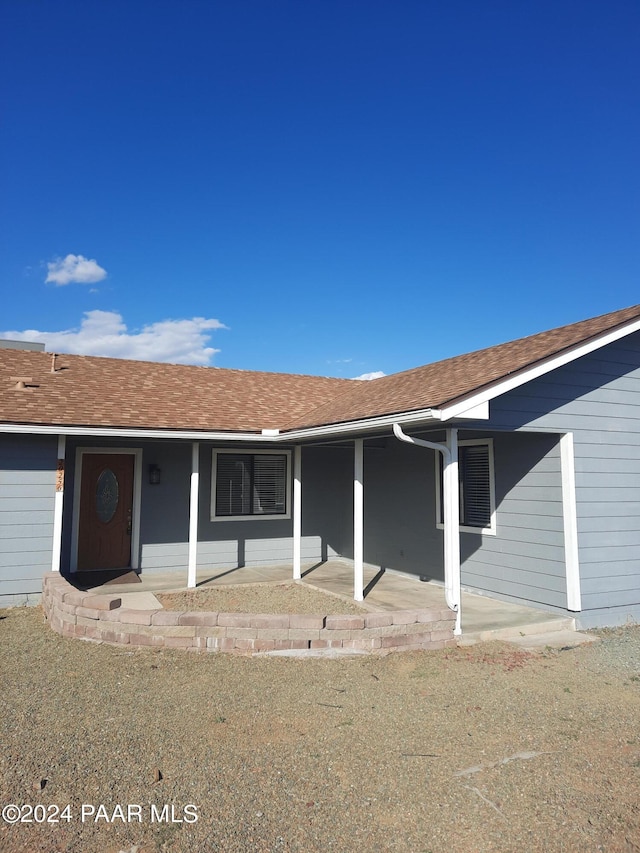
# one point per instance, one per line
(177, 364)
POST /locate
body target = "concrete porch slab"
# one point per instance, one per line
(483, 618)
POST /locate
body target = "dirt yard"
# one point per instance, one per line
(260, 598)
(478, 749)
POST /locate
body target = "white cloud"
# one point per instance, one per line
(376, 374)
(76, 269)
(105, 333)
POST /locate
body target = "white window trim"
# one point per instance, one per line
(257, 517)
(491, 529)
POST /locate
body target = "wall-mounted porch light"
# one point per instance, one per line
(154, 475)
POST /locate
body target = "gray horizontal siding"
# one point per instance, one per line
(525, 559)
(29, 505)
(595, 617)
(614, 598)
(20, 479)
(22, 586)
(25, 556)
(601, 524)
(615, 583)
(514, 525)
(173, 556)
(606, 512)
(597, 398)
(14, 532)
(27, 495)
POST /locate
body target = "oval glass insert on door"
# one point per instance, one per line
(107, 495)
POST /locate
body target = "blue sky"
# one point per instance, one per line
(337, 187)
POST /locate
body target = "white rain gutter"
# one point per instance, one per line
(451, 515)
(270, 436)
(266, 435)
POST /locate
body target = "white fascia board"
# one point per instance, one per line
(475, 413)
(368, 425)
(365, 425)
(118, 432)
(457, 409)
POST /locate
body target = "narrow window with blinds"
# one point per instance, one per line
(249, 485)
(475, 474)
(475, 485)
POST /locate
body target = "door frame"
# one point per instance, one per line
(81, 452)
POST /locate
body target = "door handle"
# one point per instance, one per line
(129, 523)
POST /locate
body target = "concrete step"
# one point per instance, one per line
(511, 632)
(553, 640)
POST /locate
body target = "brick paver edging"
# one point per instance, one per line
(73, 613)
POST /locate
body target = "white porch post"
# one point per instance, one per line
(297, 511)
(193, 514)
(358, 520)
(570, 519)
(451, 500)
(56, 550)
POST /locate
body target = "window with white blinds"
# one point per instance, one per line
(476, 481)
(250, 485)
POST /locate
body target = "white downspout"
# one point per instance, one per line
(451, 509)
(451, 500)
(56, 550)
(358, 521)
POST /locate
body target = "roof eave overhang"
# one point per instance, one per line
(458, 408)
(364, 425)
(474, 406)
(132, 432)
(270, 436)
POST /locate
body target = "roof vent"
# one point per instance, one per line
(23, 383)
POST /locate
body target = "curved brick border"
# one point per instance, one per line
(73, 613)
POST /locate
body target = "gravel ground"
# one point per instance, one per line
(486, 748)
(260, 598)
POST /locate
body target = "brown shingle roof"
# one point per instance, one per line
(90, 391)
(443, 382)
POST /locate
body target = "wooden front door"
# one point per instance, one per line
(106, 507)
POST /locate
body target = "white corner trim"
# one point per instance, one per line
(546, 366)
(358, 520)
(297, 512)
(56, 549)
(193, 514)
(570, 519)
